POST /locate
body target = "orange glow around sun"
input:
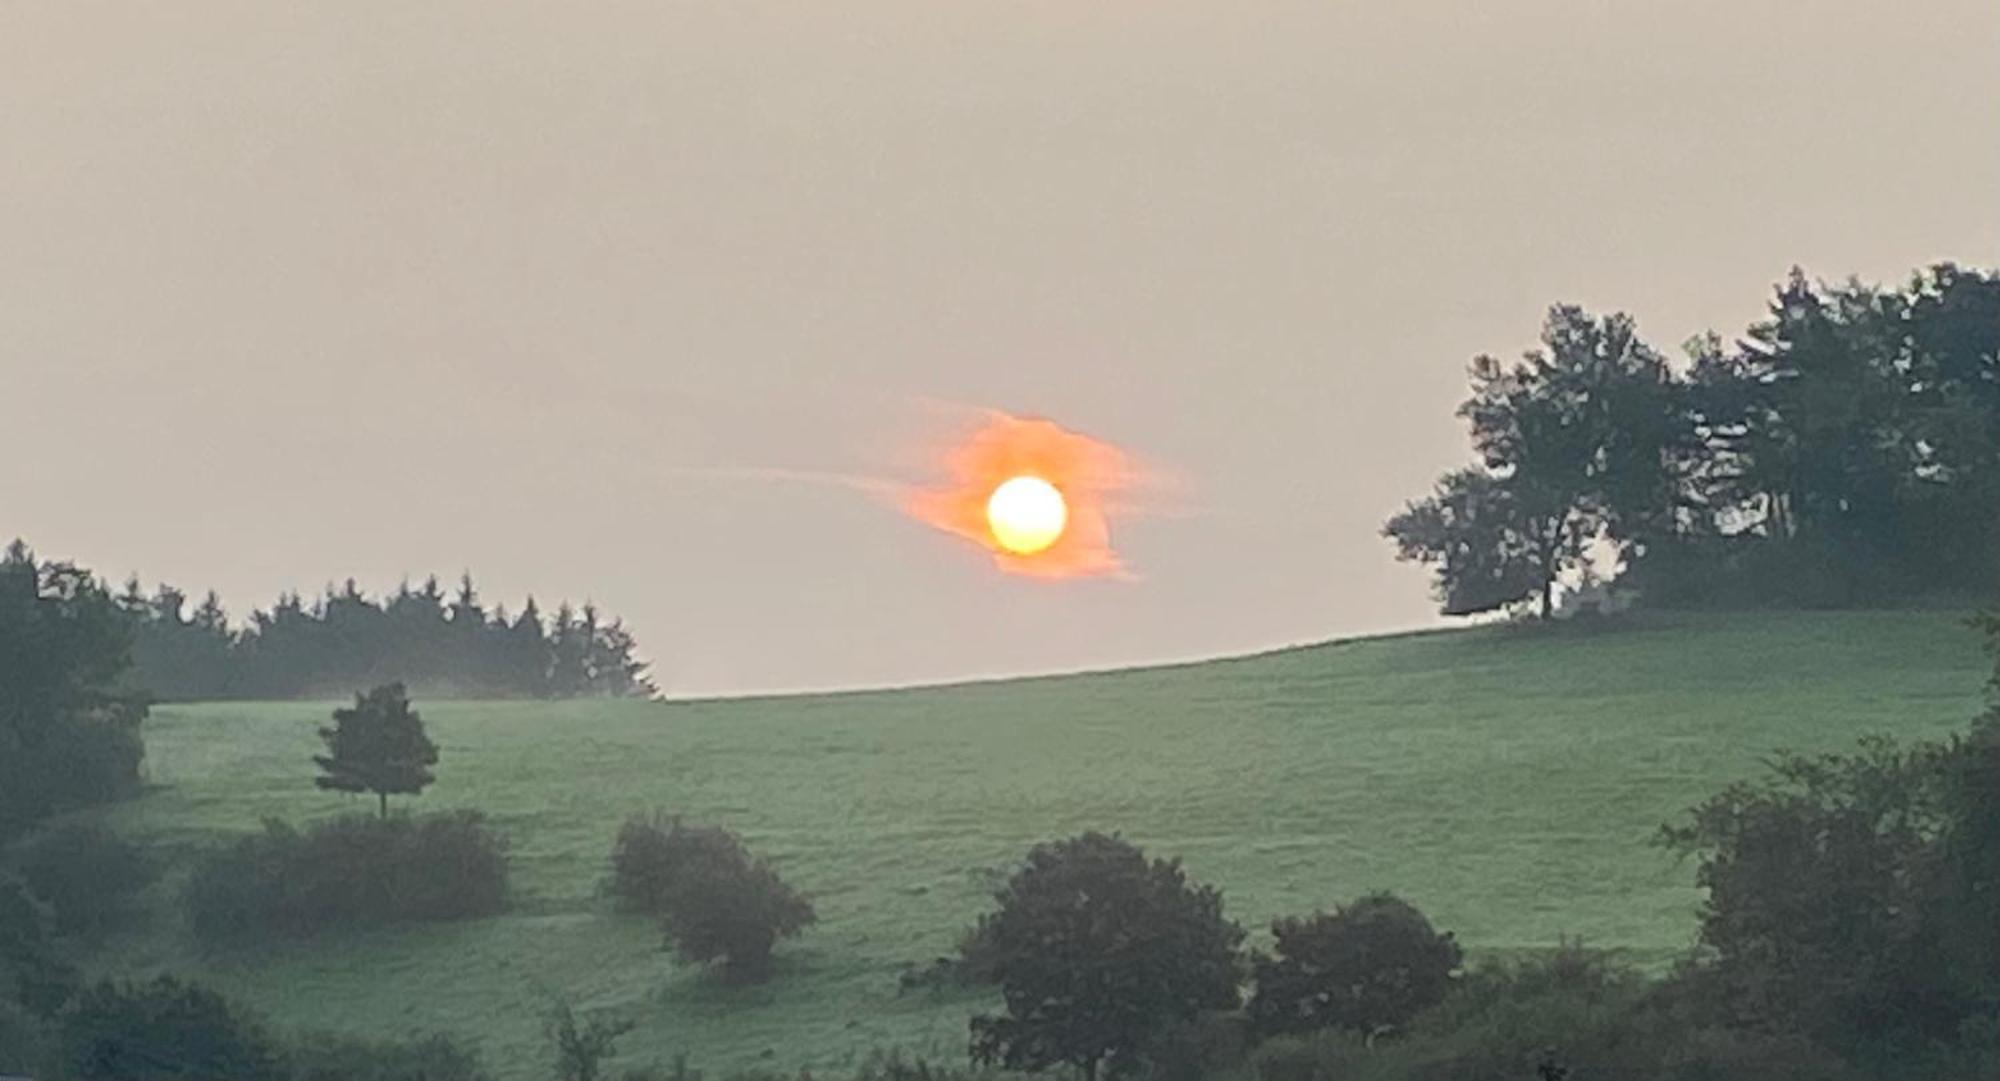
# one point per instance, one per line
(1034, 494)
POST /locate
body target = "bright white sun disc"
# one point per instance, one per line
(1026, 514)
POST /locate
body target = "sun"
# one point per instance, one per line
(1026, 514)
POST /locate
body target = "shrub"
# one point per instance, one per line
(344, 1058)
(93, 756)
(164, 1029)
(352, 871)
(1199, 1050)
(85, 874)
(581, 1048)
(715, 901)
(26, 1045)
(31, 974)
(1368, 967)
(1098, 952)
(1851, 897)
(642, 862)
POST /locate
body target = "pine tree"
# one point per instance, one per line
(377, 746)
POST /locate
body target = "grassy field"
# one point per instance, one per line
(1507, 781)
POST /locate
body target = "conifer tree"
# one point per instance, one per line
(377, 746)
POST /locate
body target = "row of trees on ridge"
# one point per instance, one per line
(444, 644)
(1845, 450)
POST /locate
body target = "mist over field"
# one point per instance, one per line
(1507, 783)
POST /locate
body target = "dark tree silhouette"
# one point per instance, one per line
(1846, 450)
(440, 645)
(1368, 967)
(69, 735)
(1853, 897)
(1097, 951)
(1487, 545)
(377, 746)
(714, 900)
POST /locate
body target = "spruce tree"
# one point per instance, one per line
(377, 746)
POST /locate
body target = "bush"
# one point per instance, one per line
(581, 1048)
(352, 871)
(85, 874)
(1570, 1013)
(1839, 902)
(643, 860)
(31, 975)
(26, 1044)
(1368, 967)
(344, 1058)
(715, 901)
(164, 1029)
(1100, 952)
(92, 757)
(1198, 1050)
(877, 1066)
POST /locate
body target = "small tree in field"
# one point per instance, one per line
(1368, 967)
(1097, 951)
(715, 901)
(377, 746)
(582, 1047)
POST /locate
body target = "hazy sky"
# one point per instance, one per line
(292, 292)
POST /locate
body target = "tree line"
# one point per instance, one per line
(447, 645)
(1844, 450)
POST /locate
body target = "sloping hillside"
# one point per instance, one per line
(1506, 780)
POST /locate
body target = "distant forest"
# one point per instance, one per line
(444, 645)
(1844, 451)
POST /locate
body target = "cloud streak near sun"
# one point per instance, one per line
(1090, 474)
(1036, 495)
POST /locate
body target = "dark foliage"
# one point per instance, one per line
(582, 1046)
(1098, 952)
(1368, 967)
(1845, 451)
(1204, 1049)
(350, 871)
(445, 645)
(1852, 897)
(68, 739)
(345, 1058)
(877, 1066)
(33, 975)
(1580, 439)
(715, 900)
(86, 875)
(1570, 1015)
(377, 746)
(644, 860)
(1487, 545)
(165, 1029)
(27, 1046)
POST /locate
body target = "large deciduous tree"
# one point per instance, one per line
(1488, 543)
(1097, 950)
(378, 745)
(1581, 440)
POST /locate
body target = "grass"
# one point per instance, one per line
(1506, 780)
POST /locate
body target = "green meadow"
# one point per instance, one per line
(1506, 779)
